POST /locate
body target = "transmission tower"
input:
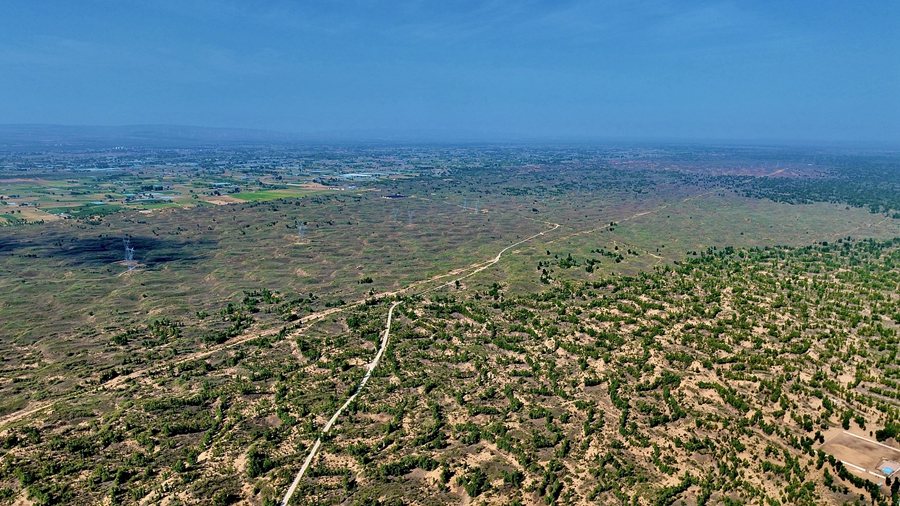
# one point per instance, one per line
(410, 214)
(129, 254)
(301, 230)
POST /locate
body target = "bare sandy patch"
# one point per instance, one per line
(224, 200)
(34, 214)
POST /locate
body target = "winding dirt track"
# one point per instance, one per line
(374, 363)
(370, 368)
(475, 269)
(249, 336)
(457, 274)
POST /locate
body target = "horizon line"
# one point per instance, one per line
(412, 136)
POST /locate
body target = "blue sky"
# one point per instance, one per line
(567, 69)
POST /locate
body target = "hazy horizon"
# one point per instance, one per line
(17, 137)
(701, 71)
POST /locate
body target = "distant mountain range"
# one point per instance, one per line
(25, 137)
(38, 137)
(63, 137)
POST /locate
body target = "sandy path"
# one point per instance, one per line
(384, 343)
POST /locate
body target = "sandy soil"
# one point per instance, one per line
(224, 200)
(32, 214)
(861, 455)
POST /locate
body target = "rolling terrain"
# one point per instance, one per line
(569, 326)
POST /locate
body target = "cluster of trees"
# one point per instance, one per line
(868, 182)
(719, 372)
(717, 356)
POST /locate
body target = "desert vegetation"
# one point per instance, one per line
(661, 327)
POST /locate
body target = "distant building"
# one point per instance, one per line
(361, 175)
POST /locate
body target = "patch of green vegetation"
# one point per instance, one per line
(13, 220)
(266, 195)
(88, 210)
